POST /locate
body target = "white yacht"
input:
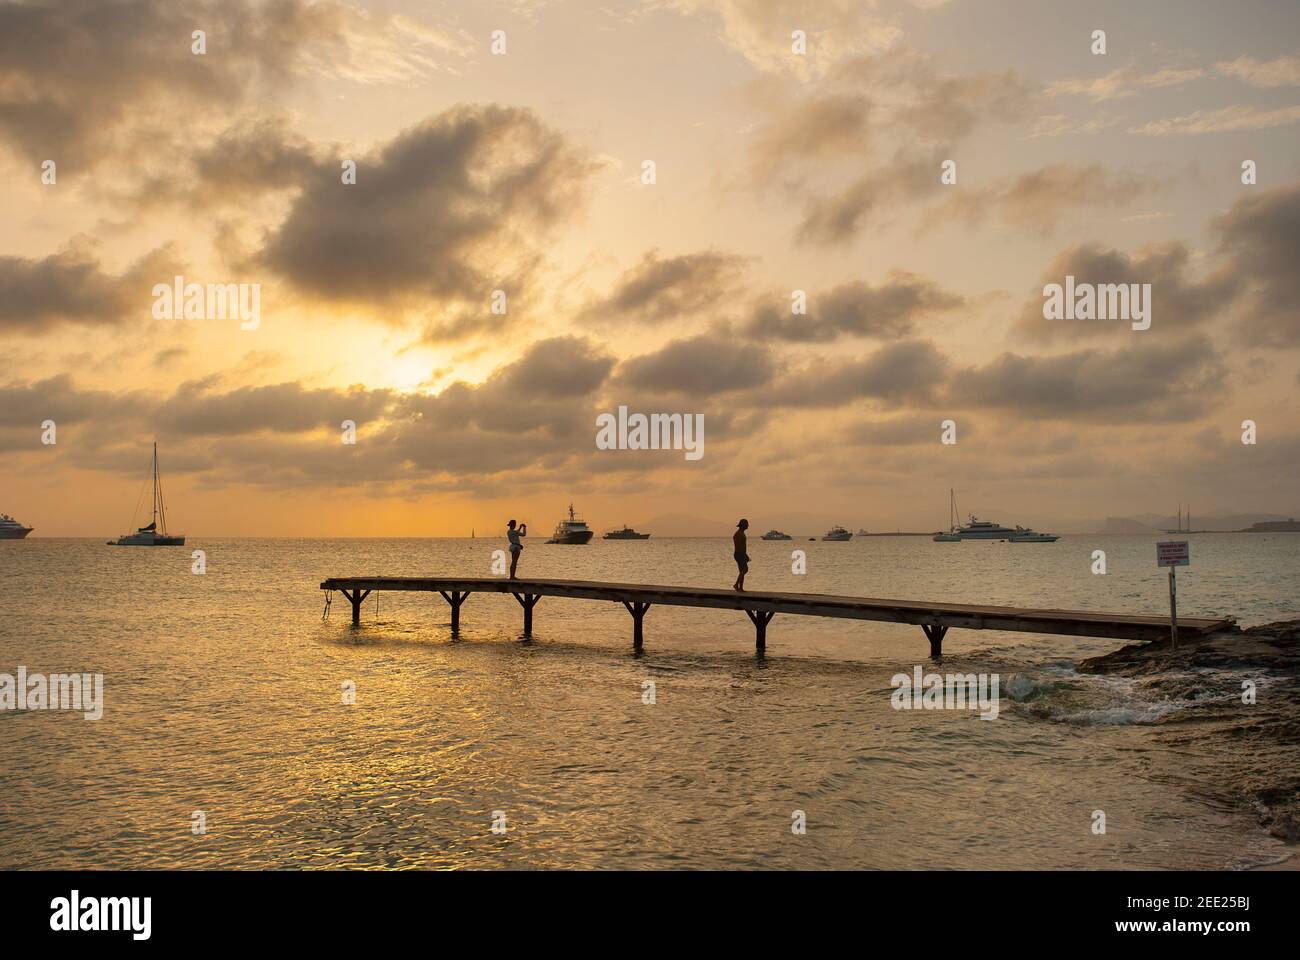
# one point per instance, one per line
(11, 529)
(573, 530)
(776, 535)
(837, 533)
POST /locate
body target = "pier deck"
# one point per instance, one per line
(761, 606)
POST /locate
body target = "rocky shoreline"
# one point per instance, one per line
(1222, 671)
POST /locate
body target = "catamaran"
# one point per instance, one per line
(155, 534)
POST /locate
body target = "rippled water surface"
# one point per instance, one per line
(223, 695)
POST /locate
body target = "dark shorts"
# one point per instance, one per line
(741, 558)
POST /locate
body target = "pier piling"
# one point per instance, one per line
(760, 618)
(454, 600)
(527, 601)
(935, 633)
(637, 608)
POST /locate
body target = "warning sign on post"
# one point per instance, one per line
(1173, 553)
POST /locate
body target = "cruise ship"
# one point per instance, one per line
(11, 529)
(572, 531)
(837, 533)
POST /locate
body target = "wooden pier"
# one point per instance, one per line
(761, 606)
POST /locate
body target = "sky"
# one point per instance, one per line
(562, 208)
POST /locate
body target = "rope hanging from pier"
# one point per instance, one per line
(325, 614)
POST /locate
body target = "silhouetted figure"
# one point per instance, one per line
(742, 558)
(516, 547)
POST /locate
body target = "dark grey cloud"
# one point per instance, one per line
(451, 209)
(72, 287)
(73, 71)
(908, 371)
(1146, 381)
(854, 309)
(702, 366)
(660, 289)
(1260, 236)
(1179, 301)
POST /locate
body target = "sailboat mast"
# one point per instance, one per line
(155, 484)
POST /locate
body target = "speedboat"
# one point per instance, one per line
(572, 531)
(1025, 535)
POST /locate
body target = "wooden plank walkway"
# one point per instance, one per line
(761, 606)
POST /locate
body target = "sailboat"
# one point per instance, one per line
(951, 535)
(153, 535)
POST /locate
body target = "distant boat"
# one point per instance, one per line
(573, 530)
(627, 533)
(837, 533)
(862, 532)
(152, 535)
(1025, 535)
(11, 529)
(951, 535)
(777, 535)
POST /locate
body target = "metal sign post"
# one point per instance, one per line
(1173, 554)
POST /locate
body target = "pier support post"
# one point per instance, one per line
(637, 609)
(454, 600)
(527, 601)
(935, 634)
(355, 598)
(760, 619)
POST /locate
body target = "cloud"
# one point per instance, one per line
(1223, 120)
(660, 289)
(71, 287)
(1123, 82)
(81, 80)
(837, 218)
(855, 309)
(760, 30)
(1282, 72)
(810, 130)
(1178, 302)
(535, 411)
(701, 366)
(907, 371)
(1144, 382)
(448, 211)
(1039, 200)
(1260, 236)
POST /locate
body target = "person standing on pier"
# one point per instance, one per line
(516, 547)
(738, 542)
